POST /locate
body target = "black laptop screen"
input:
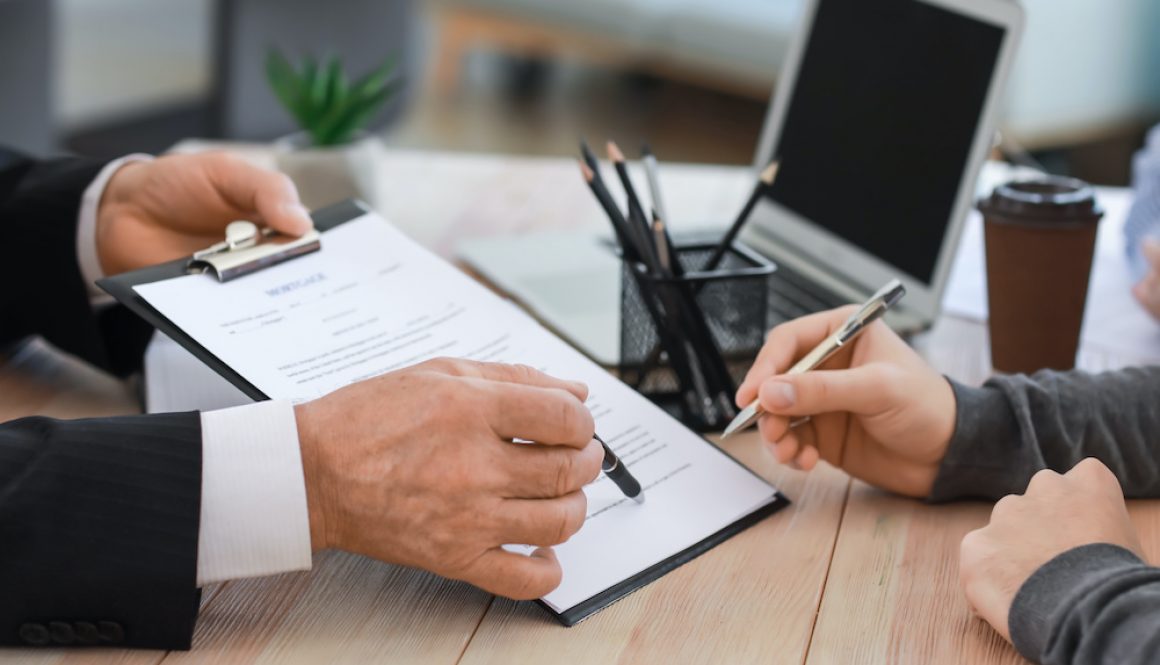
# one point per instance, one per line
(880, 123)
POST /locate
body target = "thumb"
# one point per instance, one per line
(278, 204)
(859, 390)
(252, 189)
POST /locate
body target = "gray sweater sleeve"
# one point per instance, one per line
(1092, 604)
(1016, 425)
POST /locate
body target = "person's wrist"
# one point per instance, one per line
(117, 195)
(316, 497)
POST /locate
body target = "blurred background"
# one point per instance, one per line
(691, 77)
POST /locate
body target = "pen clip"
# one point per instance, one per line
(872, 310)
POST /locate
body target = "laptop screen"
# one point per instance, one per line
(880, 124)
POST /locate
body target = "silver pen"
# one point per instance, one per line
(870, 312)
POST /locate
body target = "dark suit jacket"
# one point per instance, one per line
(98, 518)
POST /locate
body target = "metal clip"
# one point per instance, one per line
(248, 249)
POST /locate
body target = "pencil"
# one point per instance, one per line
(763, 184)
(590, 158)
(635, 211)
(659, 239)
(652, 171)
(628, 243)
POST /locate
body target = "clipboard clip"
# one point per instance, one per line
(248, 249)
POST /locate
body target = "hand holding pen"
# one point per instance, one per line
(854, 325)
(878, 410)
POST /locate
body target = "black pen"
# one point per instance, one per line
(618, 473)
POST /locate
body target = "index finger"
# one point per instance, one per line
(545, 415)
(788, 342)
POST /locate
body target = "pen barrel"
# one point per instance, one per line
(820, 354)
(619, 475)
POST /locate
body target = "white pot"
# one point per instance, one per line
(331, 174)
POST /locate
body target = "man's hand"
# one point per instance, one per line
(158, 211)
(877, 409)
(1057, 513)
(1147, 291)
(418, 467)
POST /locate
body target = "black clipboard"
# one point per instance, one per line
(121, 287)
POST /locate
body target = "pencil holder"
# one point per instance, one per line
(732, 300)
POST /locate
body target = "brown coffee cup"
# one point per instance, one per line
(1040, 237)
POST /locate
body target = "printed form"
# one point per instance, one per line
(373, 301)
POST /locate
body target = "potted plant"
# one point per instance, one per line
(333, 157)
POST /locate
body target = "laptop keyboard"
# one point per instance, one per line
(792, 295)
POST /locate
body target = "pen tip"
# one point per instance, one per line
(639, 498)
(614, 152)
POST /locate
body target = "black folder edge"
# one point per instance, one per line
(606, 598)
(121, 288)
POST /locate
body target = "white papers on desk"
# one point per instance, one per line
(373, 301)
(1113, 321)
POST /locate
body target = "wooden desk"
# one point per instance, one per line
(846, 574)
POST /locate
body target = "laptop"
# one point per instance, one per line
(883, 116)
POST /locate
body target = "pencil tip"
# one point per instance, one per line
(614, 152)
(770, 172)
(657, 217)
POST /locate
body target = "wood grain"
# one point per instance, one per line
(348, 609)
(846, 574)
(893, 591)
(750, 600)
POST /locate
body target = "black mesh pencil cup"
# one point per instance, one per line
(686, 341)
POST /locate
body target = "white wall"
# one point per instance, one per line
(124, 57)
(1084, 65)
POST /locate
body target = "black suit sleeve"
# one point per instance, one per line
(98, 531)
(98, 518)
(41, 288)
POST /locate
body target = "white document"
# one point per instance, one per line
(373, 301)
(1113, 321)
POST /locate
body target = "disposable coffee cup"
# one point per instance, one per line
(1040, 238)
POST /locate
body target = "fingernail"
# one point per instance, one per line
(778, 395)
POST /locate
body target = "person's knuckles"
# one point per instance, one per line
(1005, 507)
(1044, 480)
(1091, 469)
(448, 366)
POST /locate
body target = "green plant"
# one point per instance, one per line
(325, 105)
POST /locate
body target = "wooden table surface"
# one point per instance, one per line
(846, 574)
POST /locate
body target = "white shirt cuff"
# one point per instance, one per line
(87, 227)
(254, 519)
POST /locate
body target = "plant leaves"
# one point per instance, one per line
(374, 81)
(285, 83)
(320, 98)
